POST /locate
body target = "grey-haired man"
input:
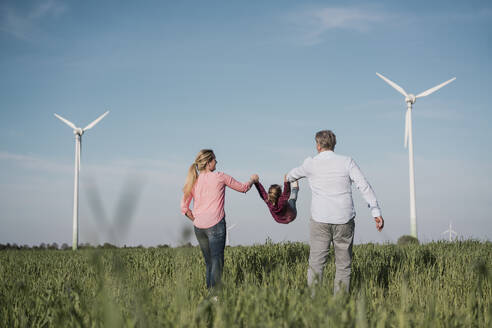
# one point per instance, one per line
(330, 177)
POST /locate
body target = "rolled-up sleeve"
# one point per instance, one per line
(234, 184)
(364, 187)
(185, 203)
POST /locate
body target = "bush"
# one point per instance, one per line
(407, 240)
(108, 245)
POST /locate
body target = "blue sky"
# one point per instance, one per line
(254, 81)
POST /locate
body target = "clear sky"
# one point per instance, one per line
(253, 80)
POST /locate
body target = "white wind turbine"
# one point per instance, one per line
(451, 232)
(78, 141)
(410, 100)
(228, 243)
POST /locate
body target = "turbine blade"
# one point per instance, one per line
(95, 121)
(80, 151)
(127, 208)
(393, 84)
(67, 122)
(407, 127)
(431, 90)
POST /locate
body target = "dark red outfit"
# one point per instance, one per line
(282, 212)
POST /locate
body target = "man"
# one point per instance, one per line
(332, 209)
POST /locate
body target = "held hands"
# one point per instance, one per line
(255, 178)
(379, 223)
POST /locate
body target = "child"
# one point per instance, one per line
(282, 208)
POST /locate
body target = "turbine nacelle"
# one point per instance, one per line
(410, 99)
(78, 131)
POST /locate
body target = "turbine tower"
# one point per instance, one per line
(451, 232)
(78, 132)
(410, 100)
(227, 234)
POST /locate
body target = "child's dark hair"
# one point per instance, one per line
(274, 193)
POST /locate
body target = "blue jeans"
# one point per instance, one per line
(212, 242)
(293, 198)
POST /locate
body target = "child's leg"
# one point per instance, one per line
(292, 203)
(293, 195)
(294, 189)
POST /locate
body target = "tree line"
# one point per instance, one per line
(65, 246)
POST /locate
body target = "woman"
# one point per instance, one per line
(207, 189)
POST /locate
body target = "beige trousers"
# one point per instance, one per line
(321, 235)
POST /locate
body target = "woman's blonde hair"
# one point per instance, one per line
(274, 193)
(204, 157)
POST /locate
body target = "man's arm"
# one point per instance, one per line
(368, 194)
(299, 172)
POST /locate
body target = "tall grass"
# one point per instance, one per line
(434, 285)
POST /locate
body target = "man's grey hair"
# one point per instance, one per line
(326, 139)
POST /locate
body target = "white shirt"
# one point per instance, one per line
(330, 177)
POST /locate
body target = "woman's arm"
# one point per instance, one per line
(185, 207)
(234, 184)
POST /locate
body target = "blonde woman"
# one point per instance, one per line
(207, 190)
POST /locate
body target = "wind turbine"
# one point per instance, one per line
(451, 232)
(410, 100)
(227, 234)
(78, 142)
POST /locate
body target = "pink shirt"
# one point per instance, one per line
(208, 196)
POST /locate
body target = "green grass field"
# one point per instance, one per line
(432, 285)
